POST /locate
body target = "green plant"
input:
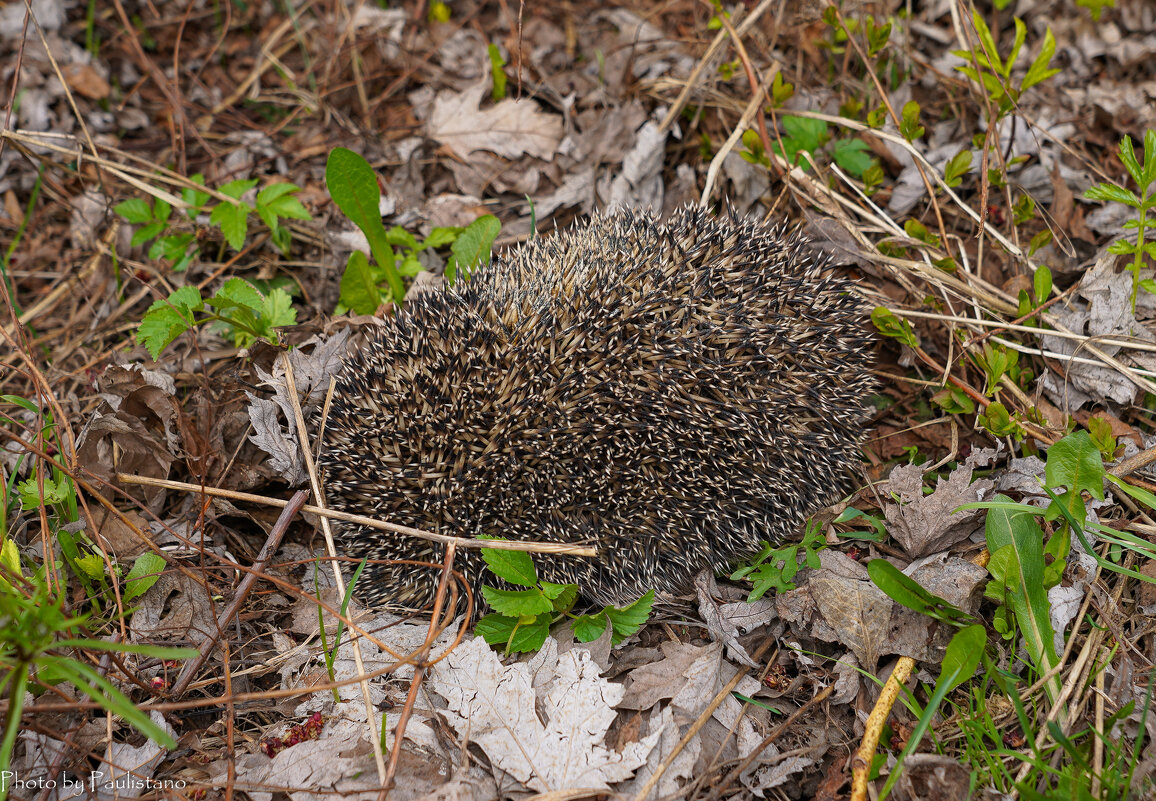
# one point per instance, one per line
(37, 643)
(353, 186)
(804, 134)
(1145, 176)
(775, 568)
(272, 204)
(497, 72)
(987, 69)
(1096, 7)
(238, 306)
(522, 618)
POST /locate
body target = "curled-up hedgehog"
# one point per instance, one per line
(669, 392)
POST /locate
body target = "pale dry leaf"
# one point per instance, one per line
(725, 621)
(497, 707)
(681, 767)
(925, 524)
(126, 772)
(276, 440)
(660, 680)
(511, 128)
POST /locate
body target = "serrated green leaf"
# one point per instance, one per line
(809, 134)
(10, 559)
(239, 292)
(530, 635)
(853, 155)
(233, 220)
(135, 210)
(472, 247)
(442, 235)
(91, 565)
(274, 191)
(144, 234)
(496, 629)
(517, 603)
(400, 237)
(235, 189)
(588, 628)
(1111, 192)
(629, 619)
(1128, 159)
(277, 309)
(516, 567)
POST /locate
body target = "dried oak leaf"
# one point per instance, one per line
(510, 128)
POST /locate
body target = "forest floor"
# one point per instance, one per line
(187, 197)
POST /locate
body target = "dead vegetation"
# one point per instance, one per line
(944, 165)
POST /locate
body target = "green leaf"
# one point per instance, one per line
(399, 237)
(92, 566)
(1042, 283)
(1039, 71)
(168, 318)
(808, 134)
(142, 235)
(10, 560)
(516, 603)
(235, 189)
(904, 590)
(236, 292)
(135, 210)
(288, 207)
(195, 198)
(956, 168)
(353, 186)
(359, 290)
(909, 125)
(629, 619)
(442, 235)
(588, 628)
(498, 74)
(1075, 463)
(853, 155)
(1019, 536)
(496, 629)
(1111, 192)
(473, 246)
(516, 567)
(144, 574)
(233, 220)
(277, 309)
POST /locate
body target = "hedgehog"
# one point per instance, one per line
(672, 393)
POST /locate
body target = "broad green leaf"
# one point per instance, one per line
(135, 210)
(145, 233)
(359, 290)
(353, 186)
(588, 628)
(516, 603)
(472, 248)
(143, 575)
(277, 309)
(629, 619)
(516, 567)
(1021, 533)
